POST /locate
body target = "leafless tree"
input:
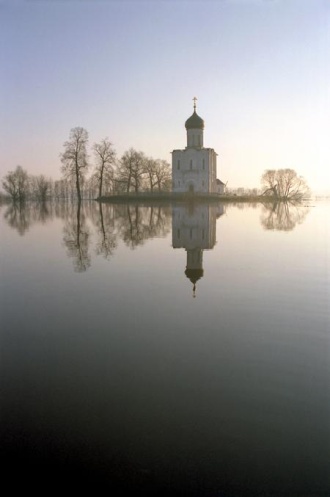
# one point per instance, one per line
(75, 158)
(163, 175)
(150, 170)
(105, 161)
(16, 184)
(40, 187)
(284, 184)
(158, 174)
(131, 170)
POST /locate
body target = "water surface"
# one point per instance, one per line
(166, 349)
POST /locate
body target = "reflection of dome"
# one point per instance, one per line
(194, 275)
(194, 122)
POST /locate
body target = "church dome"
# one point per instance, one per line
(194, 122)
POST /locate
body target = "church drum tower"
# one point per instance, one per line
(194, 169)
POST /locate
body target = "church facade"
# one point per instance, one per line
(194, 169)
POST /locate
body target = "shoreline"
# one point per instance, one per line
(190, 198)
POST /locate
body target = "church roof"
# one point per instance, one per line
(194, 122)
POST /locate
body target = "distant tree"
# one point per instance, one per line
(75, 158)
(61, 189)
(284, 184)
(158, 174)
(131, 170)
(16, 184)
(163, 175)
(105, 161)
(150, 170)
(40, 187)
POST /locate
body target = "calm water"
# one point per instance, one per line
(166, 350)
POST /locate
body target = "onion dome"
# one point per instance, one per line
(194, 122)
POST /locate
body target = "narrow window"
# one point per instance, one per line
(203, 234)
(203, 163)
(178, 164)
(190, 233)
(190, 164)
(203, 184)
(178, 233)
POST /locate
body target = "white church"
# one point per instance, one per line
(194, 169)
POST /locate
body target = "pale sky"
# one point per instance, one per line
(128, 70)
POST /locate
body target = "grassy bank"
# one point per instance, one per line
(185, 197)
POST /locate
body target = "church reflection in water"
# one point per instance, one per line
(194, 229)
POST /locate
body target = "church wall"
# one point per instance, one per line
(194, 167)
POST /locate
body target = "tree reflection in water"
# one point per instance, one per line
(131, 223)
(106, 242)
(283, 216)
(20, 216)
(76, 237)
(139, 223)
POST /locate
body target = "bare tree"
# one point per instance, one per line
(40, 187)
(105, 160)
(284, 184)
(150, 170)
(163, 175)
(16, 184)
(158, 174)
(75, 158)
(131, 170)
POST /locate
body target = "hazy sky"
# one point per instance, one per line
(129, 70)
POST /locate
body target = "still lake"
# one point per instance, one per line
(166, 349)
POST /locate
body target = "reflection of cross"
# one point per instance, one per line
(194, 99)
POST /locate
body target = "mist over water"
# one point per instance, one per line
(166, 349)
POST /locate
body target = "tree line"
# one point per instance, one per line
(133, 172)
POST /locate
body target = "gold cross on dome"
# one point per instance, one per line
(194, 99)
